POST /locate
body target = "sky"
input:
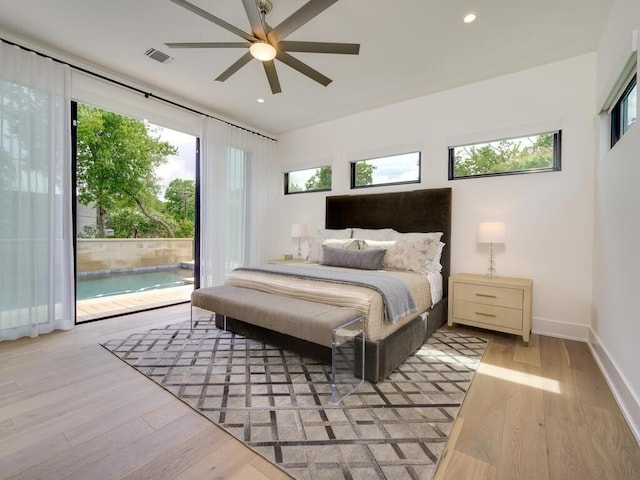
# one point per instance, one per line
(182, 165)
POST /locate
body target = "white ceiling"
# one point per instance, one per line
(408, 48)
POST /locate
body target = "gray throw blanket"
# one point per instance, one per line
(398, 301)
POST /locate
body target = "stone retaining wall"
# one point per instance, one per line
(100, 254)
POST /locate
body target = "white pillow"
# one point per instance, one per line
(327, 233)
(413, 235)
(315, 246)
(374, 244)
(379, 234)
(413, 254)
(435, 265)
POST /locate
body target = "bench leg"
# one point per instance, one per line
(343, 359)
(191, 330)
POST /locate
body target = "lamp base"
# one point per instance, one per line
(491, 272)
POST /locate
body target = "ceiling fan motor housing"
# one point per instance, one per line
(265, 6)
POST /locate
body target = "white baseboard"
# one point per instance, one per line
(627, 401)
(553, 328)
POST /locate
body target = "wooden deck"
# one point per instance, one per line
(96, 308)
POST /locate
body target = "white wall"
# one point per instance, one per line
(615, 332)
(549, 216)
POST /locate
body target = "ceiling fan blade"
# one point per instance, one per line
(209, 45)
(212, 18)
(320, 47)
(272, 76)
(298, 18)
(255, 19)
(303, 68)
(238, 64)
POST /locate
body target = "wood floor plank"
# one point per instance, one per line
(82, 457)
(464, 466)
(137, 404)
(12, 463)
(524, 435)
(529, 355)
(571, 454)
(167, 413)
(133, 455)
(169, 463)
(615, 457)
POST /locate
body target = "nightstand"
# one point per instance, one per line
(496, 303)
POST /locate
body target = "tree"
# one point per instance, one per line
(116, 160)
(180, 199)
(180, 205)
(505, 156)
(321, 180)
(364, 173)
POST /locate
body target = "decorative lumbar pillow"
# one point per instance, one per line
(315, 245)
(362, 259)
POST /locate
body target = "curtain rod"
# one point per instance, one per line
(135, 89)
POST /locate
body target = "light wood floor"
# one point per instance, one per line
(69, 409)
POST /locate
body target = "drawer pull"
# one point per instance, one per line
(485, 295)
(485, 314)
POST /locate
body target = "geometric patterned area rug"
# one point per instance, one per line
(279, 403)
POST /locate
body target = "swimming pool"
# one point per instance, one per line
(97, 286)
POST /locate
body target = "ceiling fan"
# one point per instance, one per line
(266, 43)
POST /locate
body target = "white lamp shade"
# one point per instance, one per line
(299, 230)
(491, 232)
(262, 51)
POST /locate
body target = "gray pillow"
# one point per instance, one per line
(362, 259)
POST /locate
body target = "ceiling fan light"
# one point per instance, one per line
(470, 17)
(262, 51)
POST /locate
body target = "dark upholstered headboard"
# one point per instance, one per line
(415, 211)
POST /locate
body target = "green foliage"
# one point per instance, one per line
(184, 229)
(129, 222)
(364, 173)
(116, 160)
(294, 187)
(321, 180)
(504, 156)
(181, 200)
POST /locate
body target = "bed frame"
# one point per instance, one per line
(414, 211)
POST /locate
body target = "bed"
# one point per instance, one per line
(389, 337)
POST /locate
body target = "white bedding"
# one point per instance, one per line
(425, 292)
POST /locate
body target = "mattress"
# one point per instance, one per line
(369, 302)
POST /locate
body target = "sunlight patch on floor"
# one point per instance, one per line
(523, 378)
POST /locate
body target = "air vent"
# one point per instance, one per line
(158, 56)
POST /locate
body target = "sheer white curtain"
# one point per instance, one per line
(36, 249)
(236, 180)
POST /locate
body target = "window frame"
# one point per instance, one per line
(352, 169)
(617, 115)
(286, 180)
(555, 167)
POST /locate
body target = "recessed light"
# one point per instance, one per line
(261, 100)
(469, 18)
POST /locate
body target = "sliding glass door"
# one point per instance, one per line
(135, 214)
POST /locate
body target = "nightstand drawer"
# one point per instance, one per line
(488, 314)
(488, 295)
